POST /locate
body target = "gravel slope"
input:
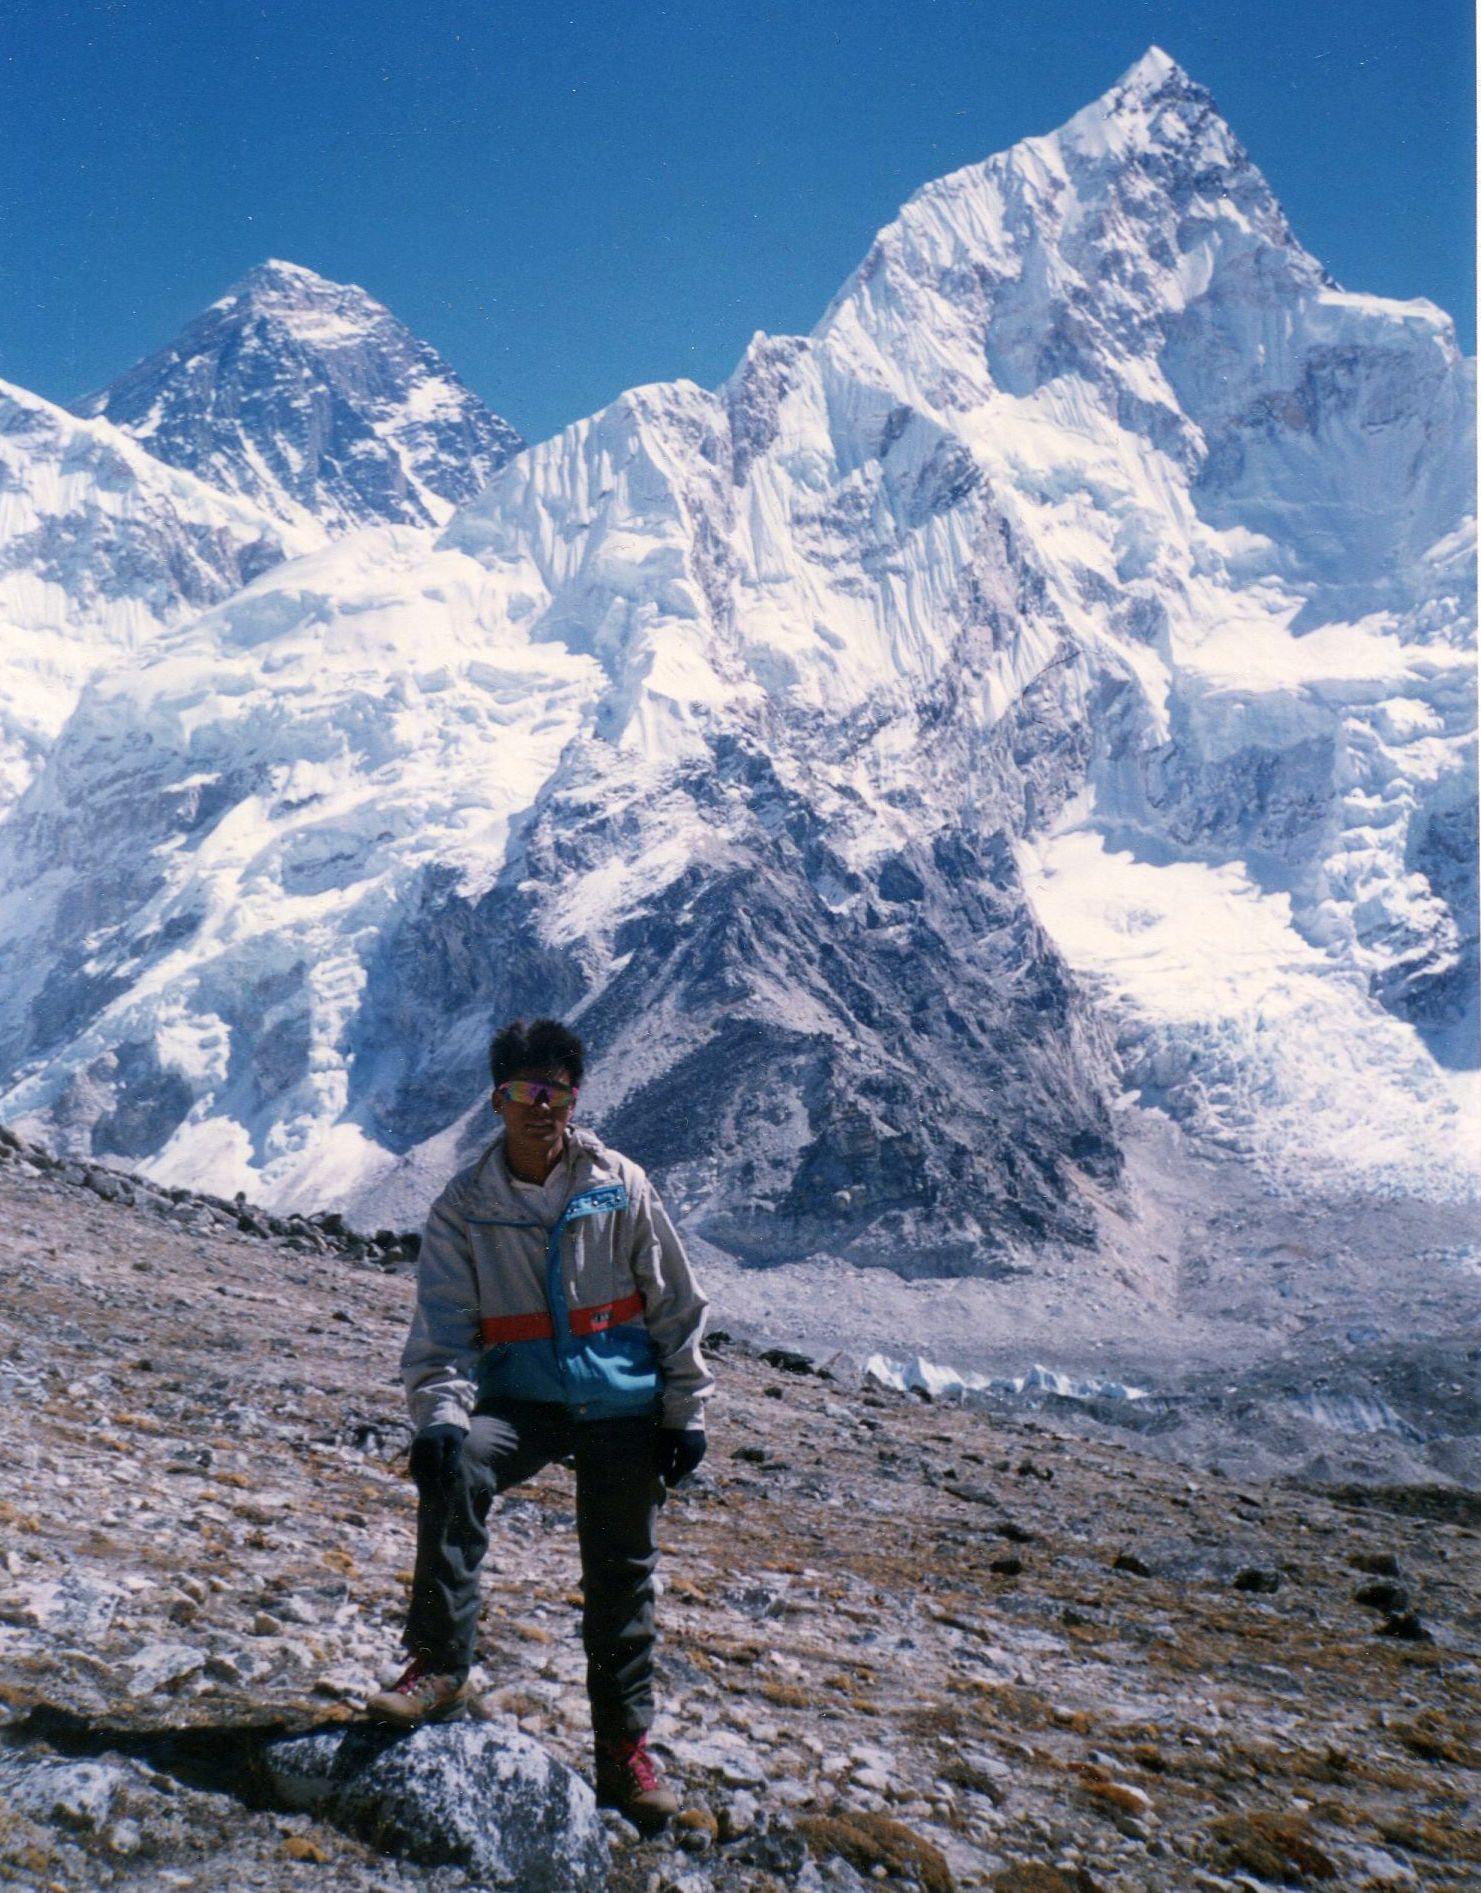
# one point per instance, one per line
(911, 1636)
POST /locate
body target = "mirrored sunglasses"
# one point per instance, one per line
(534, 1091)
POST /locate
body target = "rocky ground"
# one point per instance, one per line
(905, 1643)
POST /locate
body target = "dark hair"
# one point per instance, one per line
(536, 1045)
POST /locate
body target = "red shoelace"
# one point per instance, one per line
(632, 1756)
(418, 1668)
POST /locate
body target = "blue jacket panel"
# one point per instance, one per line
(599, 1312)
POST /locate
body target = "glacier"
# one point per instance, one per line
(100, 547)
(1038, 702)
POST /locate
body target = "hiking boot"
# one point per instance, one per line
(423, 1693)
(628, 1780)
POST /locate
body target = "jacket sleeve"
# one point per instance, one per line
(674, 1309)
(440, 1359)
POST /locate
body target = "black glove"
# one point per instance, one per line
(435, 1451)
(680, 1450)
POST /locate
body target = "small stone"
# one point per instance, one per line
(1381, 1564)
(1385, 1595)
(163, 1666)
(233, 1666)
(1131, 1564)
(738, 1816)
(343, 1684)
(972, 1494)
(72, 1606)
(1118, 1798)
(1381, 1869)
(124, 1838)
(698, 1821)
(73, 1794)
(1407, 1627)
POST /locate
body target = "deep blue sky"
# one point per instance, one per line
(571, 199)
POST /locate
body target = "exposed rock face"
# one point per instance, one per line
(497, 1804)
(909, 1081)
(311, 400)
(988, 711)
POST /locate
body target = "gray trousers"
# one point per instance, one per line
(618, 1493)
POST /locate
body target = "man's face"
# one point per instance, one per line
(535, 1108)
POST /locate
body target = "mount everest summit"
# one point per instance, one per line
(312, 401)
(1039, 702)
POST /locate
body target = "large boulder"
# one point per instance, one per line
(466, 1794)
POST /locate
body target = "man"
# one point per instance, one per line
(556, 1315)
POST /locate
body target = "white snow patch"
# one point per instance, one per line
(943, 1382)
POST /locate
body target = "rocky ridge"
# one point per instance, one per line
(198, 1212)
(904, 1642)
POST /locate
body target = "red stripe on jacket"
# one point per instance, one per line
(494, 1329)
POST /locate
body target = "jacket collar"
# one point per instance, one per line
(592, 1165)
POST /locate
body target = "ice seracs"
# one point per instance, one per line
(1045, 692)
(310, 399)
(101, 546)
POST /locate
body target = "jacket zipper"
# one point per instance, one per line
(589, 1202)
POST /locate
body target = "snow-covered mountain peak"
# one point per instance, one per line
(298, 302)
(1154, 71)
(1091, 587)
(277, 277)
(311, 399)
(1150, 83)
(1076, 253)
(1164, 126)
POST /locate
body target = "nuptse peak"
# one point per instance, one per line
(1054, 676)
